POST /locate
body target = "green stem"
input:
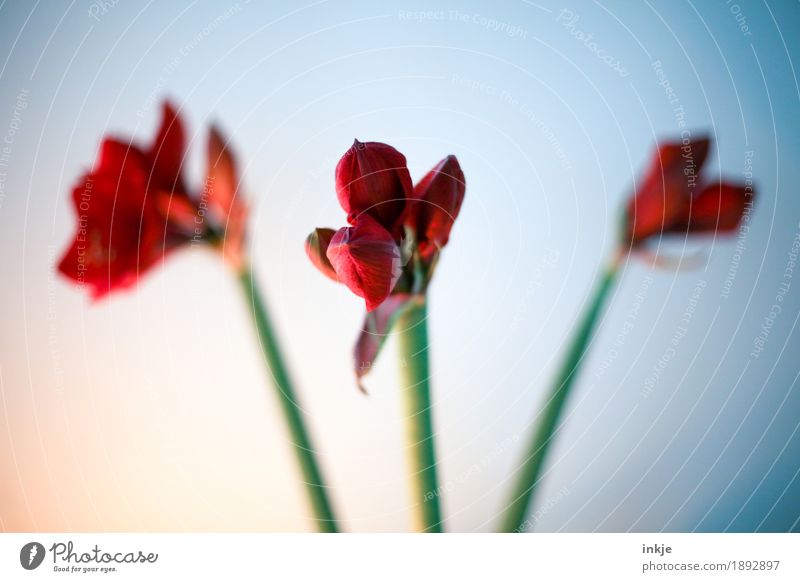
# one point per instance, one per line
(415, 375)
(306, 457)
(533, 462)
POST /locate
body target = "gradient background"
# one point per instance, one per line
(150, 411)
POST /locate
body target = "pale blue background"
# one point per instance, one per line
(149, 412)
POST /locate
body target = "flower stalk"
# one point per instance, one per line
(528, 475)
(415, 376)
(304, 451)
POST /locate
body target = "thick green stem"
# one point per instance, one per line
(533, 461)
(306, 457)
(415, 374)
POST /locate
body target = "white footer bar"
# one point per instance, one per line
(401, 557)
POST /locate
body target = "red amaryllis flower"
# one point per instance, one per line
(134, 207)
(389, 253)
(674, 198)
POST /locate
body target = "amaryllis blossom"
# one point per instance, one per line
(134, 207)
(388, 253)
(675, 198)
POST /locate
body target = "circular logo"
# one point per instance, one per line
(31, 555)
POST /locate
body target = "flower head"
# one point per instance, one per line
(675, 198)
(134, 207)
(388, 254)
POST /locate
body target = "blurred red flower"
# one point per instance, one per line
(133, 208)
(674, 198)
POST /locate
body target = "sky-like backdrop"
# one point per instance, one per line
(148, 411)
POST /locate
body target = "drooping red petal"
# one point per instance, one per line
(718, 208)
(663, 196)
(374, 332)
(437, 202)
(366, 259)
(372, 178)
(168, 150)
(317, 245)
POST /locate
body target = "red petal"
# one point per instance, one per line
(180, 213)
(663, 196)
(438, 197)
(317, 245)
(653, 210)
(377, 326)
(718, 208)
(113, 243)
(222, 182)
(372, 178)
(366, 259)
(168, 150)
(674, 156)
(234, 236)
(121, 173)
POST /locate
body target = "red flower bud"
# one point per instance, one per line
(372, 178)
